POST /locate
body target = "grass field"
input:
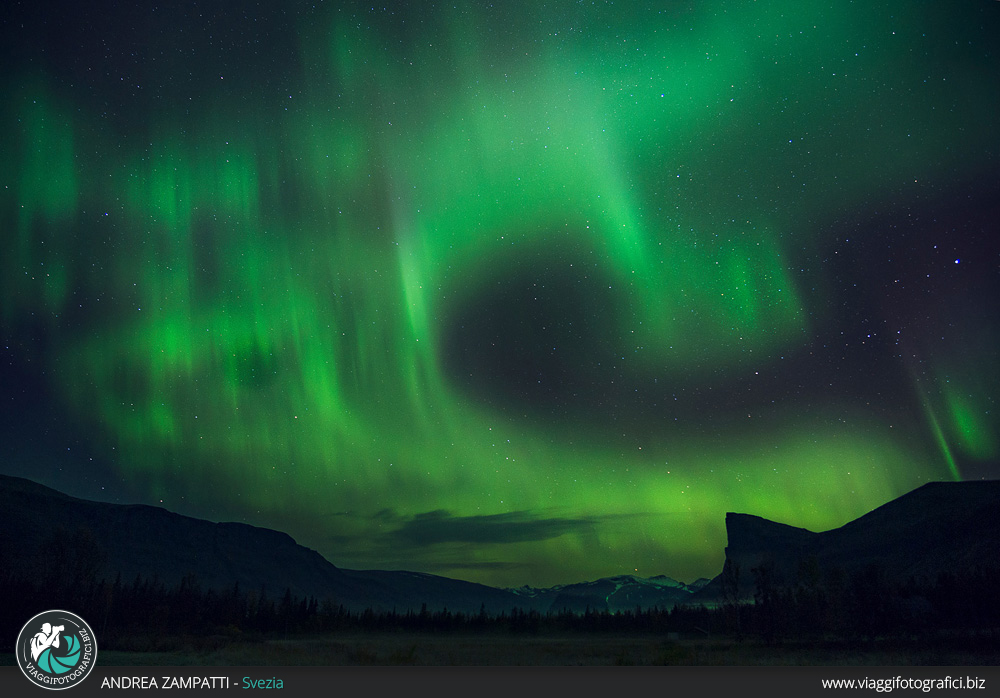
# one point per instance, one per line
(472, 649)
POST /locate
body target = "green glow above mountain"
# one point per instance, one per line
(524, 296)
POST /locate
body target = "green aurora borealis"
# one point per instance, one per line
(513, 294)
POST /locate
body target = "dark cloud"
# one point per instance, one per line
(440, 526)
(462, 565)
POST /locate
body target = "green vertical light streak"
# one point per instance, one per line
(42, 152)
(969, 423)
(939, 436)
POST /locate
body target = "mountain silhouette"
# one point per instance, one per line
(940, 527)
(43, 526)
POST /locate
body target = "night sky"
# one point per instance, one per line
(512, 293)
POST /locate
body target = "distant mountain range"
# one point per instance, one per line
(612, 594)
(940, 526)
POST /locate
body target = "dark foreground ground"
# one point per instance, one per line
(428, 649)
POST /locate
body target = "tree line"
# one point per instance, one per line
(819, 605)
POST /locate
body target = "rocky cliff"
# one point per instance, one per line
(940, 527)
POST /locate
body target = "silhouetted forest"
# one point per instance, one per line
(820, 606)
